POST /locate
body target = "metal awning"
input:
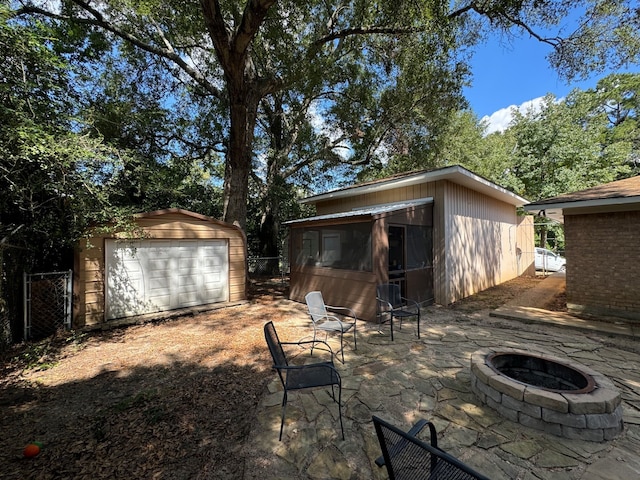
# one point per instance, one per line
(366, 211)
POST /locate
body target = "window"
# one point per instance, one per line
(346, 247)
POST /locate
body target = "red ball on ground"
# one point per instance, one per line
(31, 450)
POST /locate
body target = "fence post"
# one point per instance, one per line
(25, 304)
(69, 300)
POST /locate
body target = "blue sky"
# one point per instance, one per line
(512, 74)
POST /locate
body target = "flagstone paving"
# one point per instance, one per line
(408, 379)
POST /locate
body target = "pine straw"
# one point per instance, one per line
(170, 400)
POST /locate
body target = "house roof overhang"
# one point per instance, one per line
(375, 211)
(455, 174)
(622, 195)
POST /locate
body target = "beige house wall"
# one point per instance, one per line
(480, 243)
(413, 192)
(173, 224)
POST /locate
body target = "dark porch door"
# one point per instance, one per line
(411, 261)
(397, 257)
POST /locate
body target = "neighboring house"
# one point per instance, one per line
(602, 247)
(442, 235)
(184, 260)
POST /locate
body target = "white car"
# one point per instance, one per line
(549, 261)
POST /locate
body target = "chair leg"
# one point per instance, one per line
(380, 322)
(284, 408)
(355, 343)
(340, 409)
(418, 324)
(341, 344)
(339, 402)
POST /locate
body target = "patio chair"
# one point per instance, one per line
(298, 377)
(390, 302)
(407, 457)
(322, 319)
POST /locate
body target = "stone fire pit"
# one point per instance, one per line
(558, 396)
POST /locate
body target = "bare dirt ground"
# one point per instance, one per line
(167, 400)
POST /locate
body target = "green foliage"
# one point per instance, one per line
(562, 148)
(38, 153)
(251, 79)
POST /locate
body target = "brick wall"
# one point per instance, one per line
(603, 263)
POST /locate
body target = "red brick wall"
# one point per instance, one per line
(603, 263)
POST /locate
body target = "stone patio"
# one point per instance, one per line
(409, 379)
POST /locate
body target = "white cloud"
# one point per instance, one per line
(499, 121)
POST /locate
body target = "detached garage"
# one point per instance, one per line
(183, 260)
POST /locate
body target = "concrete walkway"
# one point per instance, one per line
(409, 379)
(527, 309)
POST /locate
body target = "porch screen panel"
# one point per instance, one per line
(345, 247)
(419, 247)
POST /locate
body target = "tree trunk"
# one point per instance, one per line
(269, 229)
(245, 88)
(243, 113)
(543, 236)
(270, 218)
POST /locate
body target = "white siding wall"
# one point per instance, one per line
(479, 242)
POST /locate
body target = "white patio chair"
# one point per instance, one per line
(323, 320)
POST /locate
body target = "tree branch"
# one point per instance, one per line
(349, 32)
(98, 20)
(252, 18)
(492, 14)
(556, 43)
(218, 31)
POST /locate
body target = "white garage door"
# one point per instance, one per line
(148, 276)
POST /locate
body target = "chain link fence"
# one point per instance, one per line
(268, 267)
(47, 303)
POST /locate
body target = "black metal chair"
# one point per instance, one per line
(298, 377)
(407, 457)
(390, 302)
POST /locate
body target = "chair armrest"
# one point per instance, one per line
(320, 365)
(304, 342)
(329, 317)
(415, 430)
(351, 312)
(408, 300)
(385, 303)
